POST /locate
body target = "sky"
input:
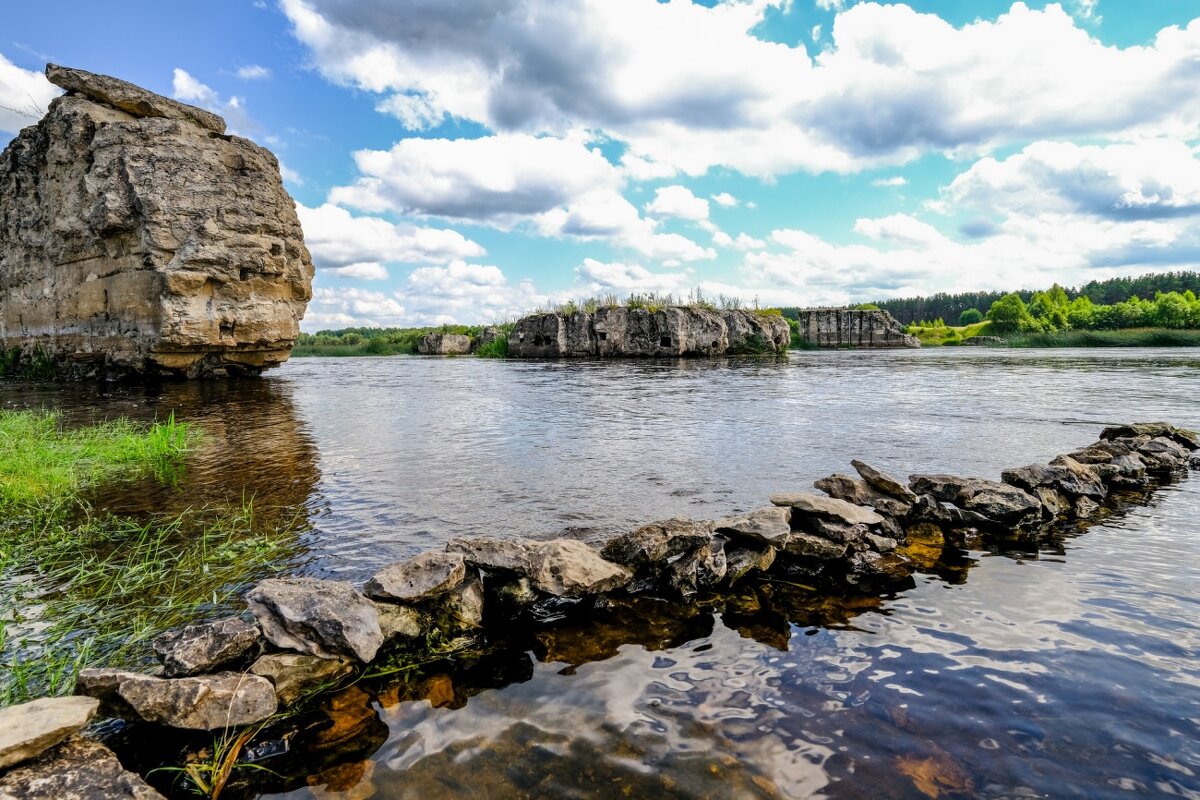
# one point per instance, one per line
(470, 160)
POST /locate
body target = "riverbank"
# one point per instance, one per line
(949, 336)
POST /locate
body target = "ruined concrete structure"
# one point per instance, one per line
(137, 237)
(848, 327)
(616, 332)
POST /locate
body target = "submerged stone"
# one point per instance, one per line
(203, 702)
(319, 617)
(77, 769)
(28, 729)
(195, 649)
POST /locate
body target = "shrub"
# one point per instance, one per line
(970, 316)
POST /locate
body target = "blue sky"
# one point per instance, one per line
(467, 161)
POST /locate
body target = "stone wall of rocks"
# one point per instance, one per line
(619, 332)
(137, 236)
(849, 327)
(865, 533)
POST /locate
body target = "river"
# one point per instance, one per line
(1069, 672)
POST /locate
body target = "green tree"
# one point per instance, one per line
(1010, 315)
(970, 316)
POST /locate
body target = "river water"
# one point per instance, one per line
(1070, 672)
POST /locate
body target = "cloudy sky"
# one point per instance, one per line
(467, 160)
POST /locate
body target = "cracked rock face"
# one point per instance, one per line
(77, 769)
(194, 649)
(317, 617)
(26, 730)
(200, 703)
(137, 237)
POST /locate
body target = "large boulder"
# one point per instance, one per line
(135, 236)
(985, 502)
(77, 769)
(1067, 476)
(428, 575)
(771, 525)
(559, 567)
(201, 703)
(194, 649)
(652, 545)
(318, 617)
(28, 729)
(444, 344)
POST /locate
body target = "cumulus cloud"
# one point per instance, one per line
(895, 180)
(253, 72)
(598, 277)
(892, 84)
(339, 240)
(365, 271)
(678, 201)
(24, 96)
(190, 89)
(725, 199)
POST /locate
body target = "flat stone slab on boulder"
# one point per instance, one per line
(294, 675)
(559, 567)
(77, 769)
(199, 703)
(318, 617)
(427, 575)
(771, 525)
(196, 649)
(882, 482)
(28, 729)
(130, 98)
(653, 544)
(829, 507)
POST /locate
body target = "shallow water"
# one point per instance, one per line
(1072, 672)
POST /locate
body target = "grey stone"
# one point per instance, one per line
(884, 483)
(850, 327)
(137, 240)
(77, 769)
(458, 611)
(698, 571)
(741, 561)
(444, 344)
(873, 568)
(769, 525)
(194, 649)
(318, 617)
(999, 503)
(809, 546)
(203, 702)
(559, 567)
(399, 622)
(1186, 438)
(655, 543)
(859, 492)
(836, 531)
(1075, 479)
(427, 575)
(295, 675)
(28, 729)
(828, 507)
(1054, 503)
(881, 544)
(1085, 507)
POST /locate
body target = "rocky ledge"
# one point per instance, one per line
(619, 332)
(136, 236)
(864, 534)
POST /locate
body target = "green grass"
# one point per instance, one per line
(497, 348)
(1129, 337)
(947, 335)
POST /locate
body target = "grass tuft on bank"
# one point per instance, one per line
(1126, 337)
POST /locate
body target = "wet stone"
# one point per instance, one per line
(741, 561)
(427, 575)
(882, 482)
(657, 542)
(294, 675)
(766, 525)
(698, 571)
(559, 567)
(808, 546)
(839, 532)
(77, 769)
(1085, 508)
(399, 622)
(881, 544)
(318, 617)
(195, 649)
(1186, 438)
(829, 507)
(28, 729)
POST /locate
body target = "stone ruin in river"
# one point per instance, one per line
(136, 236)
(853, 327)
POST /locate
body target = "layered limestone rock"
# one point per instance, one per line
(615, 332)
(850, 327)
(136, 236)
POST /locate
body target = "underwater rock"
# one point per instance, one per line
(318, 617)
(28, 729)
(202, 702)
(77, 769)
(194, 649)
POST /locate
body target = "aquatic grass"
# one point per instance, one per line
(44, 468)
(98, 592)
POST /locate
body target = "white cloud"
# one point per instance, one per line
(24, 96)
(725, 199)
(290, 175)
(365, 270)
(186, 87)
(678, 201)
(339, 240)
(893, 83)
(415, 111)
(815, 33)
(253, 72)
(895, 180)
(598, 277)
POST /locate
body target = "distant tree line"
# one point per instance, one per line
(909, 310)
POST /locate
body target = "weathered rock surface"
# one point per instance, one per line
(882, 482)
(741, 561)
(636, 332)
(77, 769)
(294, 675)
(861, 493)
(1189, 439)
(427, 575)
(397, 621)
(1068, 476)
(202, 703)
(698, 571)
(486, 337)
(444, 344)
(848, 327)
(318, 617)
(990, 501)
(194, 649)
(136, 237)
(653, 544)
(559, 567)
(828, 507)
(770, 525)
(28, 729)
